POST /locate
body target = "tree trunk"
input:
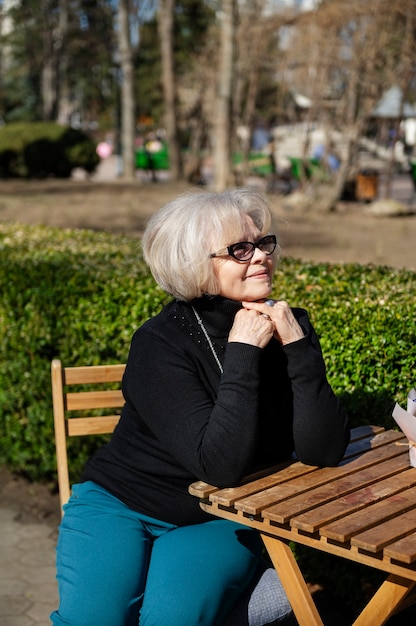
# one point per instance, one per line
(48, 73)
(404, 83)
(222, 126)
(48, 89)
(128, 126)
(63, 101)
(165, 26)
(250, 60)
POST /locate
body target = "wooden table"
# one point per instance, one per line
(363, 510)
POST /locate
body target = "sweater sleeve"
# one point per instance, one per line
(210, 431)
(320, 425)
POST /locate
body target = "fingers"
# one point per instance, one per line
(286, 327)
(268, 303)
(264, 308)
(251, 327)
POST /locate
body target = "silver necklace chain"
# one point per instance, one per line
(208, 338)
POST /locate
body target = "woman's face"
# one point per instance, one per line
(245, 281)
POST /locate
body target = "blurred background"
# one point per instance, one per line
(299, 91)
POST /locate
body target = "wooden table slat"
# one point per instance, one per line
(228, 496)
(403, 550)
(360, 446)
(283, 511)
(201, 489)
(367, 430)
(343, 529)
(260, 499)
(343, 506)
(374, 539)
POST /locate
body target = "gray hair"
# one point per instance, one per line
(179, 238)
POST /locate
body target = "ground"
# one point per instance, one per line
(31, 502)
(349, 234)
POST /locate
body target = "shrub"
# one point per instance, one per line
(79, 295)
(365, 317)
(42, 149)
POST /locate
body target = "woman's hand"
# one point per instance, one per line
(286, 329)
(252, 328)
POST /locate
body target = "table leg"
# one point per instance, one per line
(293, 582)
(385, 602)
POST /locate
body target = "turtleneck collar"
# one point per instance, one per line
(217, 313)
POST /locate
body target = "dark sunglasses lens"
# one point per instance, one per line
(267, 244)
(242, 251)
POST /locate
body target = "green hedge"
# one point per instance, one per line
(79, 295)
(42, 149)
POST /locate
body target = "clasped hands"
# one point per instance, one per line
(257, 322)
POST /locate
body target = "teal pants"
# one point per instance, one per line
(116, 567)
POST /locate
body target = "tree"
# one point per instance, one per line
(128, 124)
(255, 88)
(59, 61)
(222, 122)
(21, 63)
(344, 56)
(188, 30)
(166, 27)
(246, 64)
(62, 64)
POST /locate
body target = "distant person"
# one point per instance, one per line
(104, 149)
(152, 145)
(327, 157)
(221, 382)
(261, 138)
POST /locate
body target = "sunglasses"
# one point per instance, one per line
(244, 250)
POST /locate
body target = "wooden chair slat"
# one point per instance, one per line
(67, 399)
(77, 401)
(96, 425)
(93, 374)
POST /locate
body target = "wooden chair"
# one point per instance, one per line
(70, 397)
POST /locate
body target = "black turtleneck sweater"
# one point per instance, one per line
(185, 421)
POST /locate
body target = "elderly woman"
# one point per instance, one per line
(221, 382)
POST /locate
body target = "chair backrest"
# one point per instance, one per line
(82, 389)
